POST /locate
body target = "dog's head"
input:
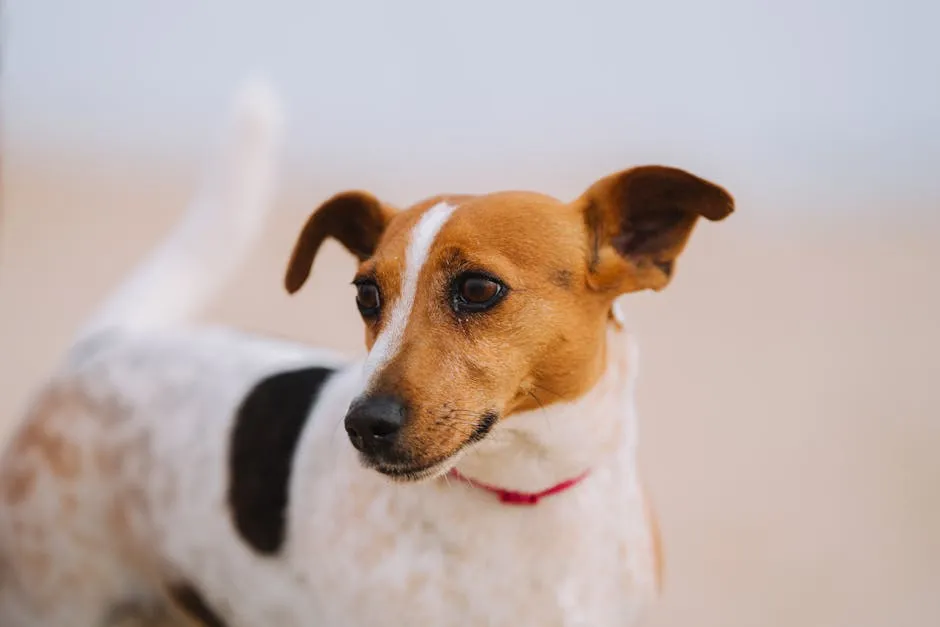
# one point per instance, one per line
(479, 307)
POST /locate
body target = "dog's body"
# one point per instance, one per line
(148, 509)
(205, 475)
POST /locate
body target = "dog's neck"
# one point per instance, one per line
(538, 449)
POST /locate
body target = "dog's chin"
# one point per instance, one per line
(412, 473)
(405, 473)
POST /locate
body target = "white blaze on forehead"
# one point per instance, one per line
(419, 245)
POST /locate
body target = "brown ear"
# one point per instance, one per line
(639, 220)
(356, 219)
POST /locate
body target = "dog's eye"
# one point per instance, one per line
(368, 299)
(477, 292)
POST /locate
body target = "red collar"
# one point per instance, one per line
(511, 497)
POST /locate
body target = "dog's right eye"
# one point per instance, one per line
(368, 299)
(475, 292)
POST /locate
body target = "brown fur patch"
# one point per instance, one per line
(17, 484)
(42, 441)
(62, 456)
(639, 222)
(355, 219)
(562, 278)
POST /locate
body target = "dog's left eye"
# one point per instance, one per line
(477, 292)
(368, 299)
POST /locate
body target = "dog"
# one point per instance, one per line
(477, 467)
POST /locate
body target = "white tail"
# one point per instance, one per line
(217, 232)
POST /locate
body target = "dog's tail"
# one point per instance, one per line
(217, 231)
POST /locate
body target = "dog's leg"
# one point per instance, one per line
(63, 530)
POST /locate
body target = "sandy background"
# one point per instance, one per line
(790, 421)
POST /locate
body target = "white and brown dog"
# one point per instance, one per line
(489, 476)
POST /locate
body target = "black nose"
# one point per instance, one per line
(373, 423)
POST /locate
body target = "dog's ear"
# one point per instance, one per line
(356, 219)
(639, 220)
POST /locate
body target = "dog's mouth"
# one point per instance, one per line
(408, 469)
(406, 473)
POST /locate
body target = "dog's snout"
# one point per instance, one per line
(373, 423)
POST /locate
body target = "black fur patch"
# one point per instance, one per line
(666, 266)
(263, 443)
(484, 426)
(562, 278)
(188, 599)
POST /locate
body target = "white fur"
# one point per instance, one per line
(419, 245)
(158, 400)
(361, 550)
(616, 311)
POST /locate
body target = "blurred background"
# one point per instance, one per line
(789, 426)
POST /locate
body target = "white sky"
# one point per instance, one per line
(801, 105)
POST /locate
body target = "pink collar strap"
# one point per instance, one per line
(511, 497)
